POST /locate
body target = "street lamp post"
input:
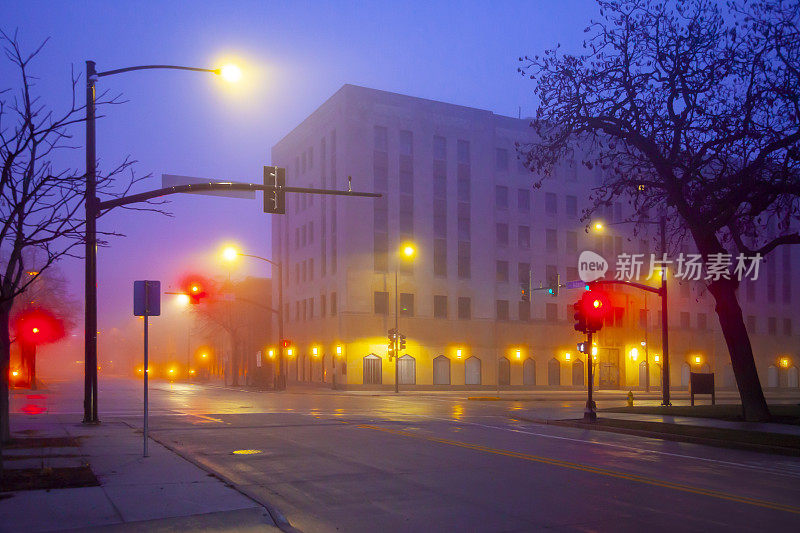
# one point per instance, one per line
(408, 251)
(662, 292)
(92, 208)
(231, 253)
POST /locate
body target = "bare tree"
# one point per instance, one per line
(690, 111)
(41, 204)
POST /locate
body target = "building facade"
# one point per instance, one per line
(454, 189)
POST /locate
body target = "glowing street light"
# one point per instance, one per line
(458, 353)
(230, 253)
(519, 354)
(634, 354)
(231, 73)
(598, 226)
(784, 362)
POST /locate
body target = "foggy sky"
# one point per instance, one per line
(294, 55)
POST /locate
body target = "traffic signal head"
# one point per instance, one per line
(525, 292)
(552, 288)
(402, 342)
(596, 307)
(580, 316)
(286, 343)
(195, 287)
(275, 199)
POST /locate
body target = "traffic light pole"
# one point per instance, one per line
(396, 335)
(590, 411)
(664, 321)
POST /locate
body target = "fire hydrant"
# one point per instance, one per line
(630, 398)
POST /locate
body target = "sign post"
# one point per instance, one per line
(146, 303)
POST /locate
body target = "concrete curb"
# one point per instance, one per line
(239, 520)
(280, 520)
(719, 443)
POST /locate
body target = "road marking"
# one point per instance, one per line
(631, 448)
(204, 417)
(592, 470)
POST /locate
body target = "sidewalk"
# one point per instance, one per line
(162, 492)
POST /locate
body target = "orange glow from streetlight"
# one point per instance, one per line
(182, 299)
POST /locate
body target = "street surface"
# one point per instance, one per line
(367, 461)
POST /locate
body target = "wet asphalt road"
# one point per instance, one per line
(378, 462)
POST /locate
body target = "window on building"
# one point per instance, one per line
(333, 304)
(550, 203)
(311, 308)
(464, 228)
(297, 311)
(464, 267)
(572, 274)
(464, 308)
(787, 326)
(296, 238)
(381, 302)
(311, 269)
(772, 325)
(524, 272)
(551, 312)
(551, 240)
(323, 306)
(406, 304)
(572, 241)
(684, 319)
(380, 245)
(462, 148)
(304, 235)
(464, 191)
(440, 257)
(524, 311)
(439, 306)
(502, 234)
(702, 321)
(305, 271)
(305, 309)
(501, 307)
(501, 197)
(440, 218)
(501, 159)
(524, 236)
(572, 206)
(439, 148)
(296, 273)
(551, 273)
(310, 232)
(523, 199)
(501, 270)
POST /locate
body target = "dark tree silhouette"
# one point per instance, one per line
(41, 204)
(692, 111)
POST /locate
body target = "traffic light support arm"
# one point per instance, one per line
(222, 186)
(628, 284)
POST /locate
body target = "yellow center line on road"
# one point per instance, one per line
(593, 470)
(204, 417)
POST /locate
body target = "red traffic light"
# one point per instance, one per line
(286, 343)
(38, 326)
(195, 287)
(595, 306)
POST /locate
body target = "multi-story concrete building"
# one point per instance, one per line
(454, 189)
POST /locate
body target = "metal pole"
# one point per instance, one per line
(396, 333)
(90, 311)
(145, 372)
(281, 370)
(664, 319)
(589, 412)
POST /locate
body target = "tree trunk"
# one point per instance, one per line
(5, 361)
(754, 405)
(235, 363)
